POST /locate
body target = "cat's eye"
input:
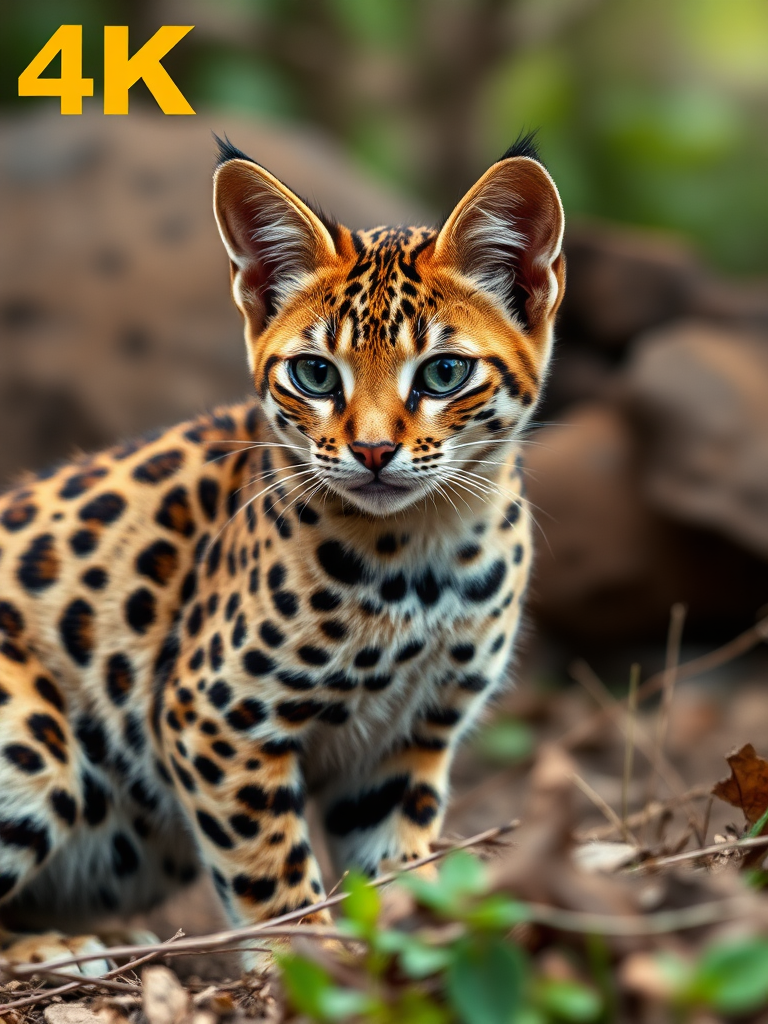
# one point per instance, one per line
(315, 376)
(443, 375)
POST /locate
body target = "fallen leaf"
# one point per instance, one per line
(747, 785)
(603, 858)
(165, 1000)
(70, 1013)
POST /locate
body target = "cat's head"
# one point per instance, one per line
(393, 361)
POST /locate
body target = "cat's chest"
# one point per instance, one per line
(400, 658)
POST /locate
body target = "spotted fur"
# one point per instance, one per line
(298, 596)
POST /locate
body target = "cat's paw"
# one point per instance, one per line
(53, 947)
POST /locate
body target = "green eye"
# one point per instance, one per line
(315, 376)
(445, 374)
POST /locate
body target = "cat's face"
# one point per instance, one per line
(396, 362)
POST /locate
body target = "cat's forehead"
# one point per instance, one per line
(382, 291)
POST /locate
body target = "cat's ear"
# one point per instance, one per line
(274, 240)
(506, 235)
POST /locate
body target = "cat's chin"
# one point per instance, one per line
(380, 499)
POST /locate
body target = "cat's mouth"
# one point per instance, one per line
(376, 486)
(379, 498)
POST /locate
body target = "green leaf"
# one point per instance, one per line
(313, 993)
(732, 977)
(568, 1000)
(306, 983)
(506, 740)
(497, 913)
(461, 876)
(363, 903)
(417, 959)
(415, 1007)
(485, 980)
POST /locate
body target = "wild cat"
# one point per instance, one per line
(314, 592)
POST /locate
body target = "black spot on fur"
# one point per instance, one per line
(63, 804)
(208, 495)
(367, 657)
(27, 834)
(158, 562)
(286, 602)
(220, 694)
(105, 508)
(18, 515)
(125, 859)
(213, 829)
(246, 714)
(256, 663)
(39, 565)
(11, 619)
(24, 758)
(368, 809)
(340, 563)
(50, 692)
(313, 655)
(208, 769)
(409, 651)
(159, 467)
(96, 579)
(175, 512)
(271, 635)
(140, 610)
(324, 601)
(254, 890)
(394, 588)
(90, 732)
(245, 826)
(427, 588)
(421, 804)
(484, 587)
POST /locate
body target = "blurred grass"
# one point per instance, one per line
(652, 113)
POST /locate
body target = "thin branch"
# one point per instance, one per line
(705, 851)
(735, 648)
(275, 927)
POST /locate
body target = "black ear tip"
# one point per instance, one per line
(229, 152)
(524, 145)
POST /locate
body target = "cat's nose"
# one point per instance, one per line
(373, 455)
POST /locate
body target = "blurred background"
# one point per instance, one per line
(650, 468)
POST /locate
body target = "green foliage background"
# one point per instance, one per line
(652, 113)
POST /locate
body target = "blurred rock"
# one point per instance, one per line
(115, 313)
(700, 394)
(609, 567)
(623, 281)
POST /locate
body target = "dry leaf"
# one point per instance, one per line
(603, 858)
(165, 1000)
(747, 785)
(70, 1013)
(642, 974)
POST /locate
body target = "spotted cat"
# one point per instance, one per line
(312, 593)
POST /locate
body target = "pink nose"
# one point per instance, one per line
(375, 455)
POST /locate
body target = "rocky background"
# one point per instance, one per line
(650, 468)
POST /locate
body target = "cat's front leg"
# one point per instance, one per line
(245, 802)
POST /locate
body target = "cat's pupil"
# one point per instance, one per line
(445, 370)
(319, 370)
